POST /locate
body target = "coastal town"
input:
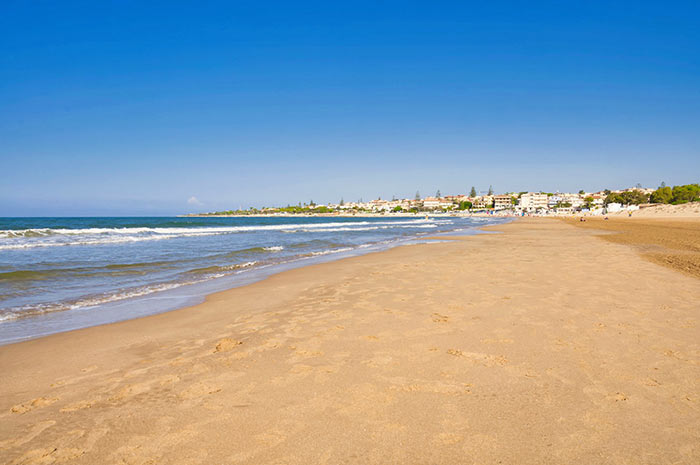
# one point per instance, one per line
(505, 204)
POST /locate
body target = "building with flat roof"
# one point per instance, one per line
(533, 201)
(502, 202)
(485, 201)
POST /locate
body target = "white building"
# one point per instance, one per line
(485, 201)
(614, 207)
(435, 203)
(431, 202)
(533, 201)
(575, 200)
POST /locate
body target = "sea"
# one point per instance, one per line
(59, 274)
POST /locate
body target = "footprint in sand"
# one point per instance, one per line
(674, 354)
(226, 344)
(89, 369)
(129, 391)
(200, 390)
(618, 397)
(306, 353)
(486, 360)
(437, 318)
(49, 455)
(32, 404)
(83, 404)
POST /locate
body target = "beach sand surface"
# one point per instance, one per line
(671, 242)
(541, 344)
(685, 210)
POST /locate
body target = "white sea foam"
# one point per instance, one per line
(241, 265)
(93, 301)
(326, 252)
(87, 302)
(30, 238)
(196, 230)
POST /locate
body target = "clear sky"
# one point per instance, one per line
(137, 107)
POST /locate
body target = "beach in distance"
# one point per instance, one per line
(544, 341)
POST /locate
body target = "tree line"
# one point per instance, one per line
(664, 194)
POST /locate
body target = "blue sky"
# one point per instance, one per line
(131, 109)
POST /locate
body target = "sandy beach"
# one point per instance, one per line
(672, 242)
(550, 342)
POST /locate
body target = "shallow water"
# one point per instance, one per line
(94, 267)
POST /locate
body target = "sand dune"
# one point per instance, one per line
(544, 344)
(686, 210)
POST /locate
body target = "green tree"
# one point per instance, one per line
(613, 197)
(417, 197)
(661, 195)
(581, 192)
(397, 208)
(686, 193)
(490, 190)
(342, 202)
(465, 205)
(634, 197)
(472, 193)
(438, 194)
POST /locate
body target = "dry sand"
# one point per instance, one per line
(672, 242)
(686, 210)
(543, 344)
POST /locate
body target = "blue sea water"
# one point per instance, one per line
(64, 273)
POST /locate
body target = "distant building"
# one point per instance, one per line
(437, 203)
(502, 202)
(575, 200)
(533, 201)
(614, 207)
(485, 201)
(431, 202)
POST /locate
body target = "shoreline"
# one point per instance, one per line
(351, 215)
(187, 295)
(516, 347)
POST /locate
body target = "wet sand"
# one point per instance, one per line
(543, 344)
